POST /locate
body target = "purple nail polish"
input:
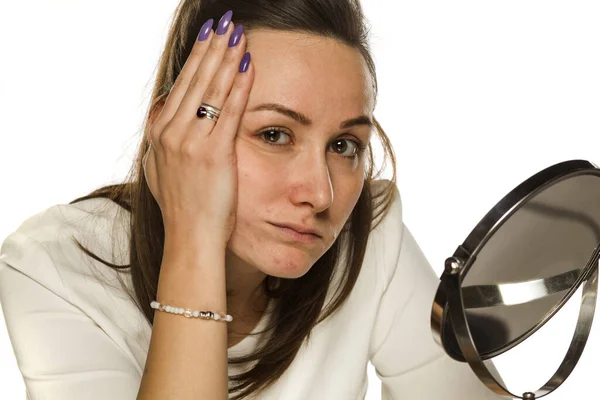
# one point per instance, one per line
(245, 62)
(236, 35)
(224, 23)
(205, 30)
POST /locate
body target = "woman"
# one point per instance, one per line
(198, 226)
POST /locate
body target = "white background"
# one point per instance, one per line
(475, 95)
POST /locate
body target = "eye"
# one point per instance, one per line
(337, 144)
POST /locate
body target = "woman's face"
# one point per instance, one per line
(315, 177)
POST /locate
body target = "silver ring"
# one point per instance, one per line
(208, 111)
(212, 109)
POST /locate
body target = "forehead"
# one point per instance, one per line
(319, 76)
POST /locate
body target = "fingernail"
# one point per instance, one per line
(205, 30)
(224, 22)
(245, 62)
(236, 35)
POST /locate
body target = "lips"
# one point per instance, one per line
(299, 228)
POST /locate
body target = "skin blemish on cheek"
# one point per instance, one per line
(276, 261)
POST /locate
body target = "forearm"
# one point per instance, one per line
(187, 358)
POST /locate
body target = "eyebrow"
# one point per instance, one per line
(304, 120)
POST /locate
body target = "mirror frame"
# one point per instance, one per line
(448, 303)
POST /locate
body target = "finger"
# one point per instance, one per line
(208, 68)
(219, 88)
(186, 74)
(228, 123)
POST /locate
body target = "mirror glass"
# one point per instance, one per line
(523, 273)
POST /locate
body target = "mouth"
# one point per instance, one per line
(292, 234)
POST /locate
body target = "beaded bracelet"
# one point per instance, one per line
(191, 313)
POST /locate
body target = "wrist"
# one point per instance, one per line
(193, 249)
(192, 235)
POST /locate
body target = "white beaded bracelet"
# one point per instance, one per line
(186, 312)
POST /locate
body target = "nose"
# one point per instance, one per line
(312, 184)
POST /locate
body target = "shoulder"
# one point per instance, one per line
(43, 246)
(87, 216)
(385, 240)
(65, 286)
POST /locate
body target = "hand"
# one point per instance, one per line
(191, 165)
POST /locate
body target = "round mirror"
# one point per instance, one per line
(519, 266)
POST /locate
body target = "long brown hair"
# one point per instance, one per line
(300, 302)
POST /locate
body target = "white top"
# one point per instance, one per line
(76, 336)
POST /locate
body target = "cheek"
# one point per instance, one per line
(253, 166)
(350, 194)
(260, 180)
(251, 174)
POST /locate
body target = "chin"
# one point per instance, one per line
(285, 261)
(288, 273)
